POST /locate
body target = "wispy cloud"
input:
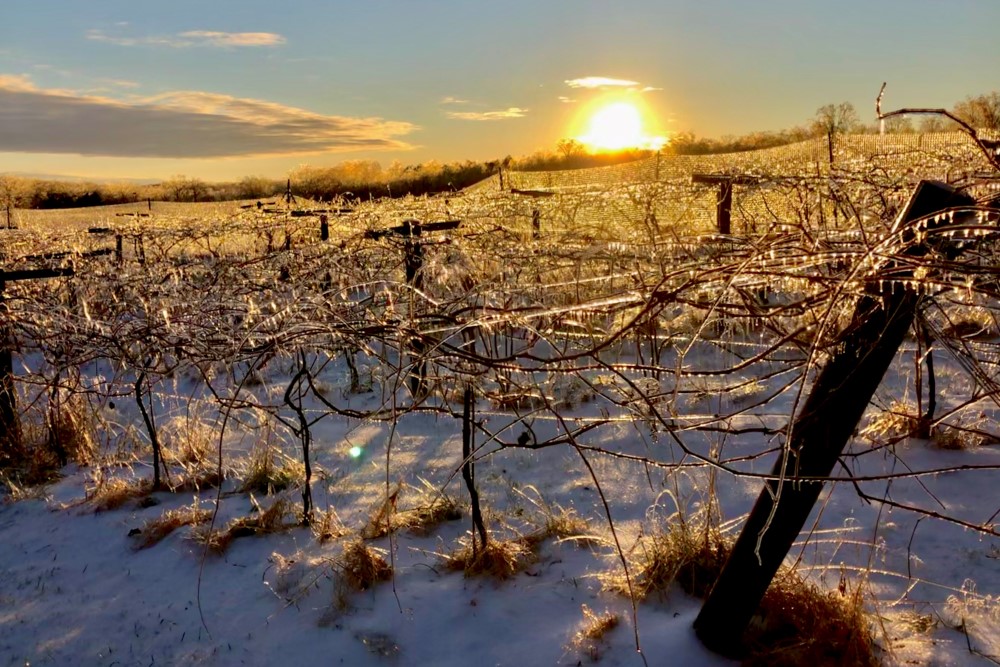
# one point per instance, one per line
(605, 83)
(512, 112)
(454, 100)
(600, 82)
(182, 124)
(566, 100)
(192, 39)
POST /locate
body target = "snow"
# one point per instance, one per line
(75, 591)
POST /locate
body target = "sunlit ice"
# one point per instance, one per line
(616, 125)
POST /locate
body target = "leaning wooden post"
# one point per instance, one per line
(818, 436)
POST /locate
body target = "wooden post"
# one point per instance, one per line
(324, 228)
(10, 426)
(724, 207)
(536, 224)
(414, 263)
(724, 200)
(119, 255)
(818, 436)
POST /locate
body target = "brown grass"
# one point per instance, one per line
(268, 471)
(500, 559)
(892, 425)
(279, 517)
(155, 530)
(559, 523)
(362, 566)
(589, 639)
(71, 430)
(432, 508)
(798, 623)
(111, 493)
(326, 525)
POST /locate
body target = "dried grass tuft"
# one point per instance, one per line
(500, 559)
(269, 471)
(279, 517)
(189, 441)
(432, 508)
(17, 492)
(71, 430)
(690, 553)
(899, 421)
(362, 566)
(798, 623)
(556, 522)
(326, 525)
(155, 530)
(111, 493)
(589, 640)
(802, 624)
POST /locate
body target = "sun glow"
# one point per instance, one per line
(616, 126)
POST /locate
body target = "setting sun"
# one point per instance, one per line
(616, 126)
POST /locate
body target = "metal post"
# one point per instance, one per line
(818, 435)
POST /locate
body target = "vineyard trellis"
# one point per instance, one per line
(613, 291)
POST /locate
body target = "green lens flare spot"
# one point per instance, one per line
(355, 452)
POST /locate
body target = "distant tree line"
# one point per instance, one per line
(367, 179)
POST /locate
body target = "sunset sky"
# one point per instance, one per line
(220, 89)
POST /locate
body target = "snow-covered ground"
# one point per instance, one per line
(74, 590)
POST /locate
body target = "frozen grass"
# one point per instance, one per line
(500, 558)
(430, 509)
(798, 623)
(280, 516)
(590, 639)
(267, 470)
(155, 530)
(111, 492)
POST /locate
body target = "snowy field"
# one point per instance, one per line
(77, 591)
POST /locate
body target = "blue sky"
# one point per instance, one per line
(220, 89)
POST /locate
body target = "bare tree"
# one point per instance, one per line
(833, 119)
(981, 111)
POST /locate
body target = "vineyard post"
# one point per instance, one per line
(119, 255)
(414, 262)
(10, 440)
(536, 224)
(324, 228)
(816, 439)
